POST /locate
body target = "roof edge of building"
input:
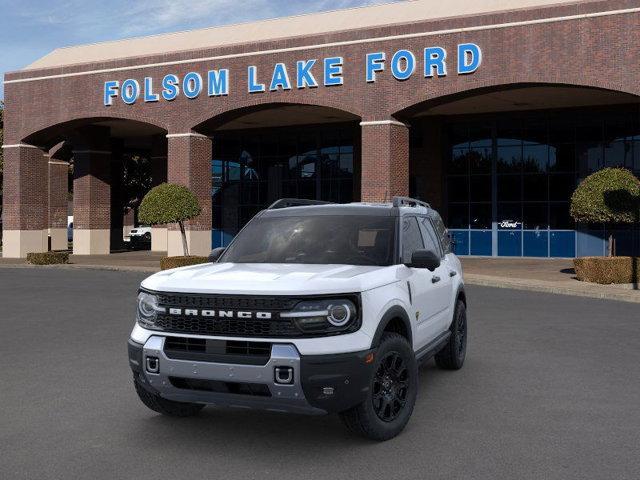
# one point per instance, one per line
(37, 66)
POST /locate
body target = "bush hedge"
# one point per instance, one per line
(607, 270)
(167, 263)
(48, 258)
(611, 195)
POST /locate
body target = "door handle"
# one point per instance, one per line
(435, 279)
(453, 273)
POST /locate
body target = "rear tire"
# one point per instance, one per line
(392, 392)
(166, 407)
(452, 356)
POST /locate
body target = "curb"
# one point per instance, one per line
(526, 285)
(74, 266)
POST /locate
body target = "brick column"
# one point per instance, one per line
(189, 164)
(58, 191)
(159, 175)
(25, 212)
(92, 192)
(385, 160)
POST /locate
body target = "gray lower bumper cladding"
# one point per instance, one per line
(282, 397)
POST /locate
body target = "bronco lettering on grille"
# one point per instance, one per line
(189, 312)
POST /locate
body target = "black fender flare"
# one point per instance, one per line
(394, 312)
(460, 296)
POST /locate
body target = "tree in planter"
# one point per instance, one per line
(170, 203)
(611, 195)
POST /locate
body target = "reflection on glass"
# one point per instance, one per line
(480, 216)
(459, 161)
(254, 168)
(509, 159)
(618, 154)
(480, 159)
(535, 158)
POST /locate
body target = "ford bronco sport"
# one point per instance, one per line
(313, 308)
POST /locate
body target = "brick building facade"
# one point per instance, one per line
(423, 99)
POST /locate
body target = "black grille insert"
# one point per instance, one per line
(219, 351)
(227, 326)
(226, 302)
(217, 386)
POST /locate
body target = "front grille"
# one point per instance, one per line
(223, 326)
(220, 351)
(237, 388)
(227, 327)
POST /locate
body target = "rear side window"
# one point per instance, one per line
(442, 233)
(430, 239)
(411, 238)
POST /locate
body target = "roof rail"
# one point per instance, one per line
(294, 202)
(409, 202)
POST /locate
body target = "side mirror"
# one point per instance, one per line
(425, 259)
(215, 254)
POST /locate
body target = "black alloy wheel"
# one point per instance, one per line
(390, 387)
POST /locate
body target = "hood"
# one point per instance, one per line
(267, 279)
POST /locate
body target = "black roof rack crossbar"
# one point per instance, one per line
(294, 202)
(409, 202)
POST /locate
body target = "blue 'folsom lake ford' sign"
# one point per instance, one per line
(310, 73)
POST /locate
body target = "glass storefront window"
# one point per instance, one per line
(509, 187)
(535, 158)
(480, 216)
(510, 158)
(253, 168)
(535, 216)
(534, 161)
(481, 188)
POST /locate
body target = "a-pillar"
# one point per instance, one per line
(189, 164)
(385, 160)
(58, 191)
(159, 175)
(92, 192)
(25, 212)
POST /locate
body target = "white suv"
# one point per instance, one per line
(313, 308)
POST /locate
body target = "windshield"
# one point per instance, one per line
(349, 240)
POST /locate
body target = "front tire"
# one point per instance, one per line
(166, 407)
(452, 356)
(392, 392)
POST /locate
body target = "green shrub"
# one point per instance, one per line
(48, 258)
(607, 270)
(167, 263)
(170, 203)
(611, 195)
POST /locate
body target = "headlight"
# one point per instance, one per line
(330, 315)
(148, 309)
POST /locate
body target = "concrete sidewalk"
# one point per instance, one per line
(139, 261)
(538, 275)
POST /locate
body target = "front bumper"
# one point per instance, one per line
(320, 383)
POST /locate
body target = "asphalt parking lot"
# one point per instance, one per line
(550, 390)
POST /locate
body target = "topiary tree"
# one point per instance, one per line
(169, 203)
(611, 195)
